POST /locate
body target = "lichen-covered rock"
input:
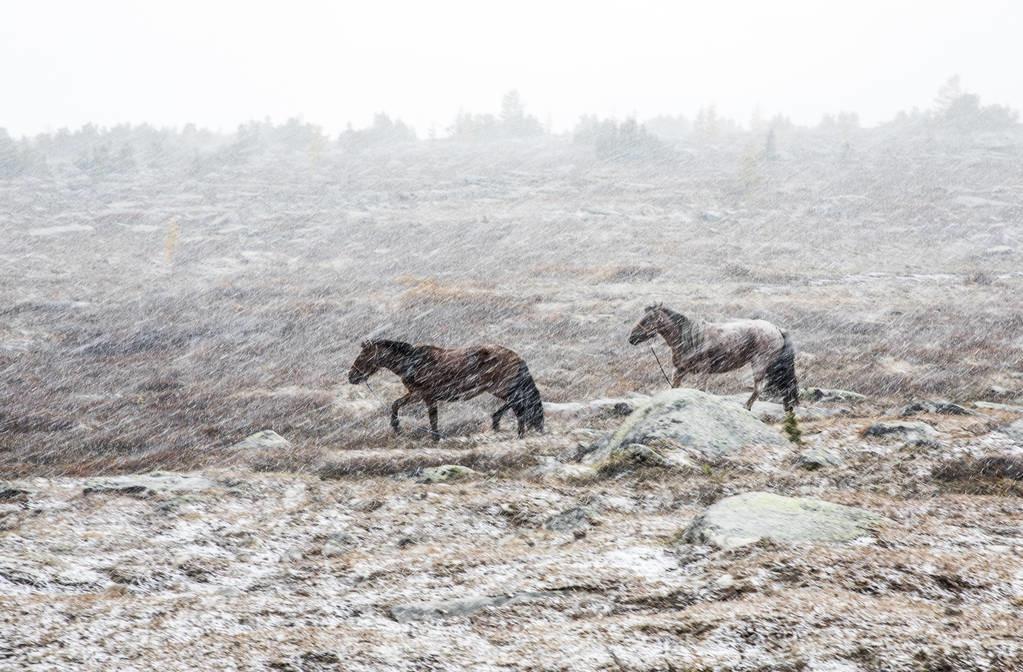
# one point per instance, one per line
(447, 473)
(747, 518)
(701, 423)
(912, 432)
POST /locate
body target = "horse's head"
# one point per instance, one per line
(649, 325)
(366, 364)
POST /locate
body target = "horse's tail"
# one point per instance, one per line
(781, 375)
(525, 399)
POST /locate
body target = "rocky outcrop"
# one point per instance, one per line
(745, 519)
(702, 424)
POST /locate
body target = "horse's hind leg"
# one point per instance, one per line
(496, 417)
(431, 408)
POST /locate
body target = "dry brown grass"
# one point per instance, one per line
(386, 464)
(996, 475)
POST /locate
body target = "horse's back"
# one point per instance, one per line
(462, 373)
(730, 344)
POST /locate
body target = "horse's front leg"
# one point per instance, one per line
(396, 406)
(753, 397)
(431, 408)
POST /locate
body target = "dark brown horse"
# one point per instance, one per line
(704, 348)
(434, 374)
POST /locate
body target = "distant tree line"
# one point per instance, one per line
(125, 149)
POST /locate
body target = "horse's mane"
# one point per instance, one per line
(690, 330)
(400, 347)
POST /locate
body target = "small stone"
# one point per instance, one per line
(917, 433)
(337, 544)
(571, 519)
(724, 582)
(818, 458)
(447, 473)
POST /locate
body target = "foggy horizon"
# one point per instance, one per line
(218, 67)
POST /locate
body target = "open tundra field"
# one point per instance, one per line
(151, 320)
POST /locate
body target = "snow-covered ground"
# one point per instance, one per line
(151, 320)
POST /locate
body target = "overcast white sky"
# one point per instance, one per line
(217, 63)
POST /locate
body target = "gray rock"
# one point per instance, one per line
(1014, 431)
(745, 519)
(429, 611)
(11, 491)
(938, 407)
(568, 472)
(708, 425)
(823, 394)
(447, 473)
(567, 521)
(818, 458)
(919, 433)
(156, 482)
(264, 440)
(337, 544)
(994, 406)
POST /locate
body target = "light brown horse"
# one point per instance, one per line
(433, 374)
(705, 348)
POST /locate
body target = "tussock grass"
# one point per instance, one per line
(413, 463)
(988, 475)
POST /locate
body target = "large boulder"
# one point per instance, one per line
(711, 427)
(747, 518)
